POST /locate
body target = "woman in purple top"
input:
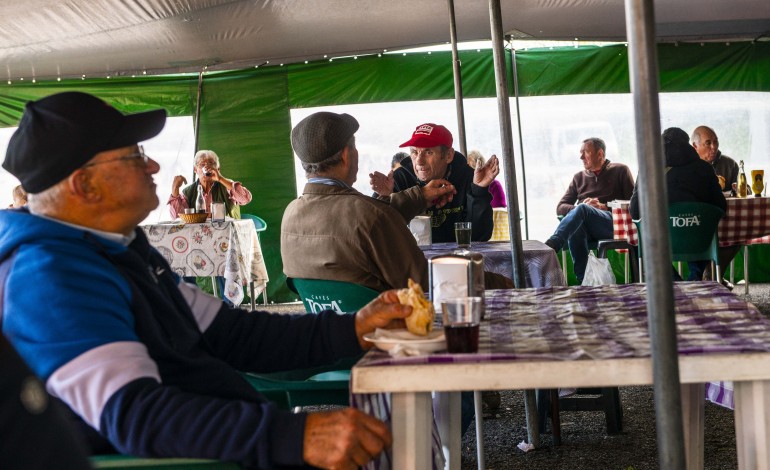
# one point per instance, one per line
(495, 188)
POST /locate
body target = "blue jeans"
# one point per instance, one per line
(581, 227)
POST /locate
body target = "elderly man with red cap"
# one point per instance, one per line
(146, 360)
(432, 157)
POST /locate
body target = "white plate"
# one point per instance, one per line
(389, 339)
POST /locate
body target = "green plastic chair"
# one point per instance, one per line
(259, 223)
(127, 462)
(692, 227)
(342, 297)
(326, 385)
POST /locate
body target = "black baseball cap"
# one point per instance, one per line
(60, 133)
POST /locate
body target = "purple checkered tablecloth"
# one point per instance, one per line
(746, 222)
(603, 322)
(541, 267)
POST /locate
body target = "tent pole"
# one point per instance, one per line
(515, 74)
(198, 108)
(506, 137)
(458, 79)
(643, 69)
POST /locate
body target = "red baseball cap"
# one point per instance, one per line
(429, 135)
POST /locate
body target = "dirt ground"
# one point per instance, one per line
(585, 443)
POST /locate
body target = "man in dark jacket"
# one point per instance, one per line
(432, 157)
(688, 178)
(584, 205)
(149, 361)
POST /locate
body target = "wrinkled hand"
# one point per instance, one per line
(593, 202)
(381, 184)
(177, 183)
(344, 439)
(484, 175)
(438, 193)
(383, 312)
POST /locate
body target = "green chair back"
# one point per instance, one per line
(126, 462)
(342, 297)
(692, 227)
(326, 385)
(259, 223)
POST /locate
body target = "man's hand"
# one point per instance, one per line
(381, 184)
(438, 193)
(483, 176)
(179, 180)
(383, 312)
(344, 439)
(593, 202)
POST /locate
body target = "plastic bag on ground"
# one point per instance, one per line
(598, 271)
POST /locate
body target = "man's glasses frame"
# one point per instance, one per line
(140, 155)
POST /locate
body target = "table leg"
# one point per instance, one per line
(446, 408)
(530, 411)
(752, 424)
(411, 427)
(746, 268)
(214, 286)
(479, 431)
(693, 402)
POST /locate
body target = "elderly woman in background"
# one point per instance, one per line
(216, 188)
(495, 188)
(19, 197)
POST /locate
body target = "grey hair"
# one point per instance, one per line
(597, 143)
(696, 137)
(201, 154)
(44, 201)
(325, 165)
(474, 157)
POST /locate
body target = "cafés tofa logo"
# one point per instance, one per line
(691, 221)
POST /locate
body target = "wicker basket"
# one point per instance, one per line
(198, 218)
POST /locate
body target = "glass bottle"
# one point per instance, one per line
(743, 187)
(200, 201)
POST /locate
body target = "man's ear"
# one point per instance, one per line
(450, 155)
(81, 186)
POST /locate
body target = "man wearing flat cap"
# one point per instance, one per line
(431, 157)
(334, 232)
(148, 361)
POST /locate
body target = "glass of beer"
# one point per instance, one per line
(463, 234)
(462, 317)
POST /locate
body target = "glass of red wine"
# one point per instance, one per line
(462, 317)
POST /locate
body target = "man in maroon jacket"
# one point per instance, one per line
(584, 206)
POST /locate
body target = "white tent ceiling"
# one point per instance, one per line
(49, 38)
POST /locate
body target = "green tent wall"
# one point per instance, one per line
(245, 114)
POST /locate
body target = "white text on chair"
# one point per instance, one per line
(685, 221)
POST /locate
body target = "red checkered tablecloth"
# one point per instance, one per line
(747, 222)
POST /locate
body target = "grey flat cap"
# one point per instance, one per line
(321, 135)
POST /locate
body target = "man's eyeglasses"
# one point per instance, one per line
(140, 155)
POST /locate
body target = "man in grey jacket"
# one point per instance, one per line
(334, 232)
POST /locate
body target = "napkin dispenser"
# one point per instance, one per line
(421, 230)
(459, 274)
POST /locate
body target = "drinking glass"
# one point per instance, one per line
(463, 234)
(462, 316)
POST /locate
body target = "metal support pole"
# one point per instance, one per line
(198, 114)
(458, 80)
(506, 137)
(515, 74)
(643, 70)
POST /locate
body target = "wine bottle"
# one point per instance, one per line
(200, 202)
(743, 187)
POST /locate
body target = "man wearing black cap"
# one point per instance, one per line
(334, 232)
(145, 359)
(688, 179)
(431, 158)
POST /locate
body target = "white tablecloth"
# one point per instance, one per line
(229, 249)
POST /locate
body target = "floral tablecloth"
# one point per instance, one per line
(229, 249)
